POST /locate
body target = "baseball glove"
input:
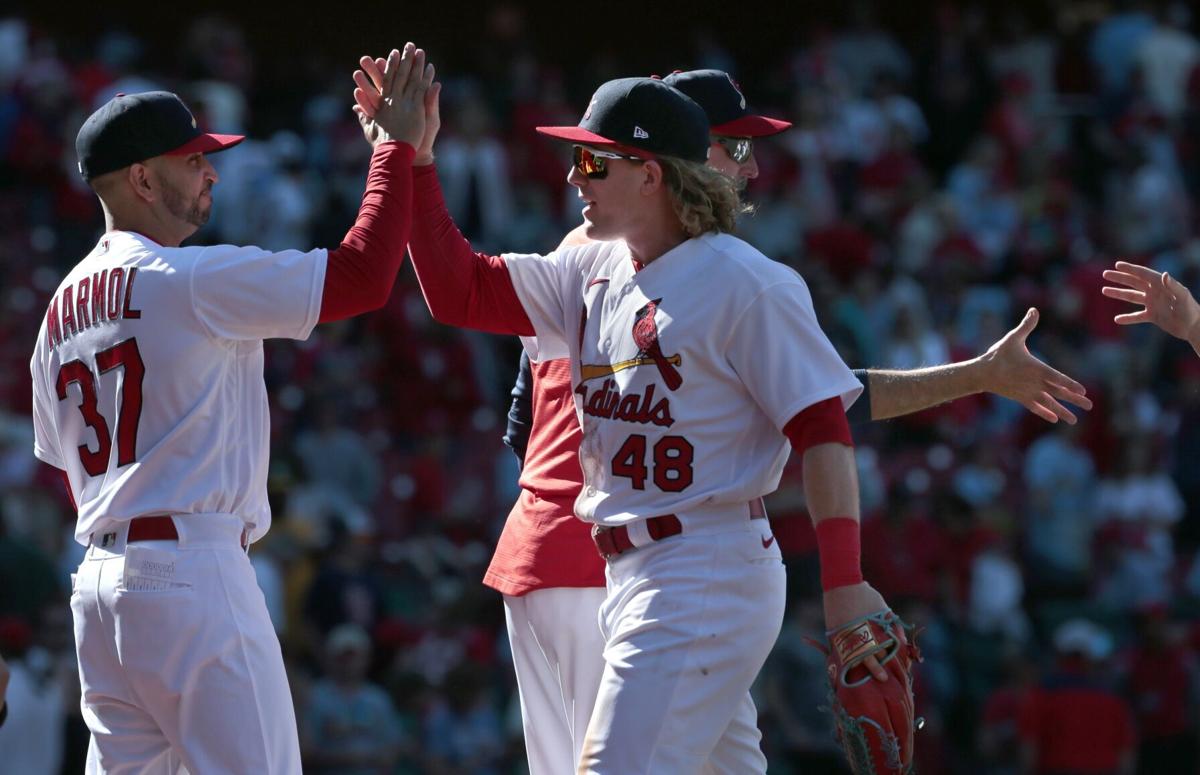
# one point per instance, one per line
(874, 718)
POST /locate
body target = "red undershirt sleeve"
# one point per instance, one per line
(838, 537)
(361, 271)
(822, 423)
(462, 288)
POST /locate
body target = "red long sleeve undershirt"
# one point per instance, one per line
(462, 288)
(822, 423)
(361, 271)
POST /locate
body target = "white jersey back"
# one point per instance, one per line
(686, 372)
(148, 376)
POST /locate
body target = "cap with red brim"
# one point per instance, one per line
(207, 143)
(640, 117)
(131, 128)
(724, 103)
(752, 126)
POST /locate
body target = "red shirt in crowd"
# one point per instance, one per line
(1076, 726)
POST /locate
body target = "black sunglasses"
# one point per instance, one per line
(593, 164)
(740, 149)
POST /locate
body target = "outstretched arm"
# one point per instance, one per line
(360, 272)
(1007, 369)
(1165, 301)
(461, 287)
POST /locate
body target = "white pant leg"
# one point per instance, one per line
(558, 654)
(690, 621)
(190, 669)
(125, 738)
(740, 749)
(166, 762)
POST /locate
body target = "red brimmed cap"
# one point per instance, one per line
(131, 128)
(642, 117)
(207, 143)
(723, 101)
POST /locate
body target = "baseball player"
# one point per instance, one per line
(695, 360)
(1164, 300)
(148, 394)
(545, 564)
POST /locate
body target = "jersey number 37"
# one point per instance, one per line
(120, 356)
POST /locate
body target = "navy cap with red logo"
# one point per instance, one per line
(131, 128)
(723, 101)
(642, 117)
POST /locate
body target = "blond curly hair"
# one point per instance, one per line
(704, 200)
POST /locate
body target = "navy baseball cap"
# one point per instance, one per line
(723, 101)
(642, 117)
(131, 128)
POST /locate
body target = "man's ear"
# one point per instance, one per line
(143, 182)
(653, 178)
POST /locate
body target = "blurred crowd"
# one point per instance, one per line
(932, 190)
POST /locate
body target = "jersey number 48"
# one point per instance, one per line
(672, 463)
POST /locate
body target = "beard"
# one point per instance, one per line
(195, 211)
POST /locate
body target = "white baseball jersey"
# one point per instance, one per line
(686, 372)
(148, 376)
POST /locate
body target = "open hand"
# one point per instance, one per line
(390, 97)
(433, 118)
(1010, 370)
(1165, 301)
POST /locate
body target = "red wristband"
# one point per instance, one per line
(838, 543)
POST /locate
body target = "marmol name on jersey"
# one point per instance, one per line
(608, 403)
(91, 300)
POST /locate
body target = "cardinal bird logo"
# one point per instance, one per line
(645, 336)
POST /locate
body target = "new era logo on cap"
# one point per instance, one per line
(642, 117)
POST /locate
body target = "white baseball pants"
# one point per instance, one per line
(179, 665)
(558, 653)
(689, 622)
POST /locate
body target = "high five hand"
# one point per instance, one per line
(1013, 372)
(1165, 301)
(390, 101)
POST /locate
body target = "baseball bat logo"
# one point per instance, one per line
(645, 336)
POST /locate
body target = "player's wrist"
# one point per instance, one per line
(839, 546)
(977, 373)
(423, 158)
(1193, 332)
